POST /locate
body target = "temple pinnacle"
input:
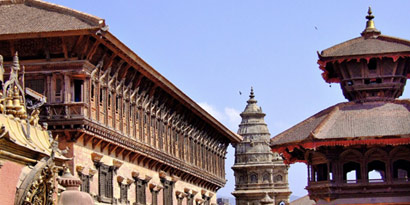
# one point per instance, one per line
(370, 31)
(251, 95)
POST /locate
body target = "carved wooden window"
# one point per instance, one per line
(401, 170)
(117, 104)
(85, 182)
(101, 96)
(206, 199)
(58, 90)
(105, 182)
(154, 197)
(123, 193)
(78, 90)
(254, 178)
(140, 194)
(190, 199)
(167, 191)
(109, 100)
(36, 84)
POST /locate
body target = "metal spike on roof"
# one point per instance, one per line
(370, 31)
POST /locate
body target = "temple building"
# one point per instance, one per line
(134, 138)
(358, 152)
(261, 177)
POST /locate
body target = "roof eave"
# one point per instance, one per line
(155, 76)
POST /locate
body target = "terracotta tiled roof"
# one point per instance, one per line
(32, 16)
(351, 120)
(365, 46)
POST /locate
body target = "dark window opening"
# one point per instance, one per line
(376, 171)
(372, 65)
(109, 101)
(92, 91)
(58, 87)
(124, 193)
(85, 182)
(36, 84)
(140, 194)
(117, 101)
(401, 170)
(320, 172)
(349, 83)
(101, 95)
(78, 87)
(105, 183)
(167, 191)
(351, 172)
(254, 178)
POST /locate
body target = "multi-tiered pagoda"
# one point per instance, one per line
(358, 152)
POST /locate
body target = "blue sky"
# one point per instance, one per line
(213, 49)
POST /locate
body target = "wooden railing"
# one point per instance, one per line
(65, 110)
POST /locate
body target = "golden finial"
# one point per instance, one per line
(370, 31)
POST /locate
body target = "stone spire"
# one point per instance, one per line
(261, 175)
(255, 133)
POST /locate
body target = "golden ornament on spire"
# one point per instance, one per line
(370, 31)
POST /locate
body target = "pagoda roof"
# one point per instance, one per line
(362, 46)
(350, 121)
(34, 16)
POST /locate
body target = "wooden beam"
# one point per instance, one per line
(112, 148)
(96, 142)
(103, 146)
(86, 139)
(93, 50)
(64, 45)
(119, 151)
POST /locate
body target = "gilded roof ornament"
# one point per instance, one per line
(370, 31)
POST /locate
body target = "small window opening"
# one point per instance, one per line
(349, 83)
(101, 95)
(401, 170)
(372, 65)
(351, 172)
(376, 171)
(92, 91)
(78, 87)
(117, 101)
(109, 101)
(320, 172)
(58, 87)
(254, 178)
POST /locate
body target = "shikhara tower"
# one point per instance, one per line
(261, 177)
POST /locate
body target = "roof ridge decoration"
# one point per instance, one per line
(370, 31)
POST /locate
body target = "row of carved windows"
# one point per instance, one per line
(162, 135)
(352, 171)
(105, 187)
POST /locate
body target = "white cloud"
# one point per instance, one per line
(233, 118)
(229, 117)
(211, 110)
